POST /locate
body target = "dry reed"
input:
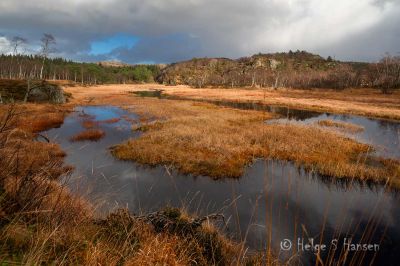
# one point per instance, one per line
(203, 139)
(90, 134)
(349, 127)
(43, 223)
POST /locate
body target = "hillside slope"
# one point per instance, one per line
(298, 69)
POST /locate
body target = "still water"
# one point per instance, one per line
(273, 204)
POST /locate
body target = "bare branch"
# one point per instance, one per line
(16, 42)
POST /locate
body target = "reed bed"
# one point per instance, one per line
(89, 124)
(41, 222)
(111, 120)
(348, 127)
(203, 139)
(90, 134)
(359, 101)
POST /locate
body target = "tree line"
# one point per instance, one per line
(41, 66)
(298, 69)
(33, 67)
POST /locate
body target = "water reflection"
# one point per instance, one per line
(271, 202)
(289, 113)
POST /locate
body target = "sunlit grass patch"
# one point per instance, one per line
(90, 134)
(88, 124)
(43, 223)
(203, 139)
(41, 120)
(35, 118)
(45, 122)
(349, 127)
(111, 121)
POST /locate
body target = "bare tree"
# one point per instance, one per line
(388, 73)
(16, 42)
(48, 41)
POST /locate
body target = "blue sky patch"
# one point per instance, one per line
(107, 45)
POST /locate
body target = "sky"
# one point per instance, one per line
(166, 31)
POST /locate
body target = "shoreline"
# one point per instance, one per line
(363, 102)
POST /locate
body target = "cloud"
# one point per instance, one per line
(166, 48)
(173, 30)
(4, 45)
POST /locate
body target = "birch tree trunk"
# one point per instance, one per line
(28, 90)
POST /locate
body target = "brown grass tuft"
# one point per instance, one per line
(90, 134)
(43, 223)
(349, 127)
(88, 124)
(111, 121)
(203, 139)
(36, 117)
(45, 122)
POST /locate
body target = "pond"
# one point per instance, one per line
(273, 203)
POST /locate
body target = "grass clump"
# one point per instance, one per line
(89, 124)
(90, 134)
(45, 122)
(38, 117)
(41, 222)
(167, 237)
(348, 127)
(203, 139)
(111, 120)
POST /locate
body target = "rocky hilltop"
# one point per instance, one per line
(298, 69)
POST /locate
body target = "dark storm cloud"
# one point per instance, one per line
(168, 48)
(180, 29)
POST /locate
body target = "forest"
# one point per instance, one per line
(30, 66)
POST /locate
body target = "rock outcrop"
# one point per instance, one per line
(32, 91)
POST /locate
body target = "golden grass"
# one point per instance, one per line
(203, 139)
(88, 124)
(111, 120)
(42, 223)
(349, 127)
(90, 134)
(365, 102)
(35, 118)
(45, 122)
(40, 117)
(177, 129)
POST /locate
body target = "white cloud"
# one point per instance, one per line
(4, 45)
(321, 23)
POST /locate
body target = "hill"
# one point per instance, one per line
(113, 64)
(298, 69)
